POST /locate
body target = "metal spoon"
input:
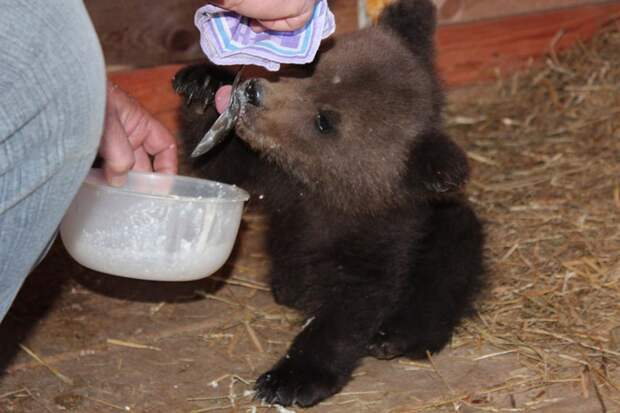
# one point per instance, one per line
(224, 124)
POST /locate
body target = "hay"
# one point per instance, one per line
(45, 364)
(108, 404)
(129, 344)
(545, 147)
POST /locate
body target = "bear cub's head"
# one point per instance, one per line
(364, 127)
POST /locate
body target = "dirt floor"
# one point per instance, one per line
(545, 147)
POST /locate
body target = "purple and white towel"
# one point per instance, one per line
(227, 38)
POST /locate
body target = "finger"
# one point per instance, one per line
(287, 25)
(144, 132)
(222, 98)
(268, 9)
(116, 150)
(143, 162)
(166, 161)
(149, 135)
(157, 141)
(256, 26)
(163, 148)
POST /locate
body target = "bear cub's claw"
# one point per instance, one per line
(296, 382)
(385, 346)
(198, 84)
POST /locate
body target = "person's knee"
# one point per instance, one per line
(54, 76)
(81, 92)
(52, 104)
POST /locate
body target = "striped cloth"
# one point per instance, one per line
(227, 38)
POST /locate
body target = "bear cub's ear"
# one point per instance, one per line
(415, 22)
(437, 165)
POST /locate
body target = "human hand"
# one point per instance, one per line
(279, 15)
(131, 136)
(222, 98)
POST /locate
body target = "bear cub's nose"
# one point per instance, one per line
(253, 92)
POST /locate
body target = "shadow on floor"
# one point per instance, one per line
(59, 274)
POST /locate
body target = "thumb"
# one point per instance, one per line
(222, 98)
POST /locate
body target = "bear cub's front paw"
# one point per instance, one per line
(197, 84)
(299, 382)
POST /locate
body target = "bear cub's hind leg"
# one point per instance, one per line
(442, 287)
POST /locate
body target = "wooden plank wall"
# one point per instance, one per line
(144, 33)
(459, 11)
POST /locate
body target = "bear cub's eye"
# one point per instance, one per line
(325, 121)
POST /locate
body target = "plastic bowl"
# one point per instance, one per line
(156, 227)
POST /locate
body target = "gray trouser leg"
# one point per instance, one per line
(52, 102)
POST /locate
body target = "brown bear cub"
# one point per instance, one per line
(370, 236)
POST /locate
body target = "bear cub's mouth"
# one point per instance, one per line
(250, 97)
(244, 97)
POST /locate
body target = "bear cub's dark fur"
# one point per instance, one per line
(370, 235)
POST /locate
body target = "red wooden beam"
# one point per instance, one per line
(467, 53)
(153, 88)
(471, 52)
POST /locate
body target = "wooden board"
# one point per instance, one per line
(346, 15)
(146, 33)
(459, 11)
(467, 53)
